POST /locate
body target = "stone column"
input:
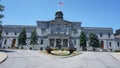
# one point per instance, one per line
(68, 42)
(55, 42)
(48, 42)
(61, 43)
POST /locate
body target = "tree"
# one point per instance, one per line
(93, 40)
(83, 41)
(22, 37)
(1, 9)
(33, 38)
(1, 16)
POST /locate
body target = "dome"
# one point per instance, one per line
(59, 15)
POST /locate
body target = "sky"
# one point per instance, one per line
(92, 13)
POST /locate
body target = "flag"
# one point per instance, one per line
(61, 4)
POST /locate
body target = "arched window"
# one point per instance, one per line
(15, 33)
(110, 44)
(41, 42)
(6, 33)
(118, 44)
(5, 42)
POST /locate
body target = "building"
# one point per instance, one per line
(117, 32)
(58, 33)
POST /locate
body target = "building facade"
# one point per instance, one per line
(59, 33)
(117, 32)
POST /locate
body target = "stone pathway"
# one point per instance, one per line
(35, 59)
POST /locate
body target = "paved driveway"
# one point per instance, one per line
(33, 59)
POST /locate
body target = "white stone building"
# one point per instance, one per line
(59, 33)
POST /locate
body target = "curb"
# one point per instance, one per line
(4, 57)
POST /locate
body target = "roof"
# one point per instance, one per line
(97, 28)
(18, 28)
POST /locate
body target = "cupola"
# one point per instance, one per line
(59, 15)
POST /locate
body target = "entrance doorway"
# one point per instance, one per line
(102, 44)
(51, 41)
(58, 43)
(65, 42)
(13, 43)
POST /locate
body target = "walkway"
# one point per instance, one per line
(3, 56)
(35, 59)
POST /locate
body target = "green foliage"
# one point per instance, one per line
(22, 37)
(82, 39)
(1, 9)
(33, 38)
(1, 16)
(116, 50)
(93, 40)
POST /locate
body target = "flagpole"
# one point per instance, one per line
(60, 4)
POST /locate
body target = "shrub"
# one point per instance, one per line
(30, 48)
(41, 48)
(72, 50)
(48, 49)
(116, 50)
(21, 47)
(65, 49)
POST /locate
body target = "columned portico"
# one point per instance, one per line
(58, 42)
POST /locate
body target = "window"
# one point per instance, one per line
(118, 44)
(6, 33)
(41, 42)
(65, 42)
(43, 31)
(15, 33)
(52, 42)
(109, 35)
(75, 32)
(110, 44)
(5, 42)
(74, 42)
(100, 34)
